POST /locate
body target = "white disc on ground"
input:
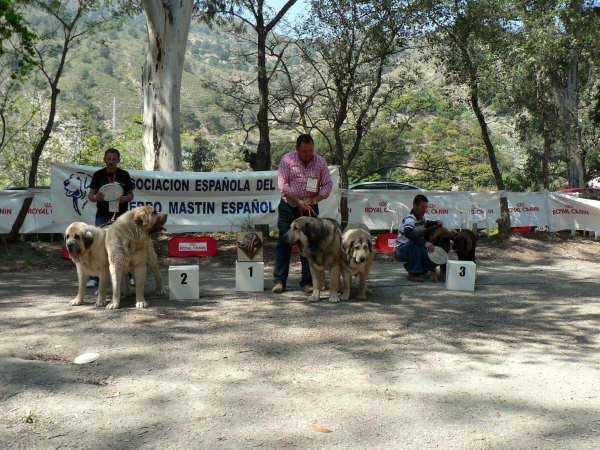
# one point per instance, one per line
(86, 358)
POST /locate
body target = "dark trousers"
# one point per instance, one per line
(415, 258)
(286, 214)
(100, 220)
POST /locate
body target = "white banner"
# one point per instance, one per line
(568, 212)
(194, 201)
(528, 209)
(202, 202)
(40, 217)
(381, 210)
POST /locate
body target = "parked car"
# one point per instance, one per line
(384, 185)
(591, 193)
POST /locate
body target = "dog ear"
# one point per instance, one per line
(88, 238)
(142, 218)
(314, 232)
(349, 249)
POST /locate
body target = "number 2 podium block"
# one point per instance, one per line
(249, 276)
(460, 275)
(184, 282)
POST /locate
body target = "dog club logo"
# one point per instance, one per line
(76, 188)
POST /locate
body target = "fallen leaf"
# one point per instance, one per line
(320, 429)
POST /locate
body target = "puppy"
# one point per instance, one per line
(129, 248)
(357, 246)
(86, 246)
(465, 243)
(320, 241)
(440, 237)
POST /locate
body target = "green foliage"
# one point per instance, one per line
(200, 156)
(14, 28)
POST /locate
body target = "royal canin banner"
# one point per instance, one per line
(40, 217)
(219, 201)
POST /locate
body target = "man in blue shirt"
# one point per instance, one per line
(411, 246)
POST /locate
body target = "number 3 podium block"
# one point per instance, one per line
(249, 276)
(460, 275)
(184, 282)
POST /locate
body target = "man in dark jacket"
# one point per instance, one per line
(110, 174)
(411, 246)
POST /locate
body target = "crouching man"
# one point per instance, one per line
(411, 246)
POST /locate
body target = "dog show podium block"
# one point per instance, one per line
(460, 275)
(249, 276)
(184, 282)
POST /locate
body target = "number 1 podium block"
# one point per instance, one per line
(460, 275)
(249, 276)
(184, 282)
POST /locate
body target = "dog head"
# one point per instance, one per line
(250, 244)
(359, 250)
(79, 237)
(440, 237)
(306, 233)
(148, 219)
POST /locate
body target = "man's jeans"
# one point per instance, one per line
(415, 257)
(286, 215)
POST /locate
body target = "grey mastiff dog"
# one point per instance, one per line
(320, 241)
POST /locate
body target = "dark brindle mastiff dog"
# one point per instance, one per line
(465, 243)
(320, 241)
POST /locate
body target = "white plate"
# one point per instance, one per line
(86, 358)
(438, 256)
(111, 191)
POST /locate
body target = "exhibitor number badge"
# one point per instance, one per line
(312, 185)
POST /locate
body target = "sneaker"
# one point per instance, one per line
(307, 289)
(91, 283)
(278, 288)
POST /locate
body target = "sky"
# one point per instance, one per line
(294, 12)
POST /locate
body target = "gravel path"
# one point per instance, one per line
(514, 365)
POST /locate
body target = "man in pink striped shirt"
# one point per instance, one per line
(304, 181)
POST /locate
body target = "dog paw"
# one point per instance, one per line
(334, 298)
(314, 297)
(346, 296)
(100, 303)
(112, 305)
(76, 301)
(141, 304)
(161, 292)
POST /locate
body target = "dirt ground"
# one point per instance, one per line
(514, 365)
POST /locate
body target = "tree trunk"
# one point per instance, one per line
(263, 151)
(339, 161)
(168, 24)
(546, 134)
(565, 91)
(504, 221)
